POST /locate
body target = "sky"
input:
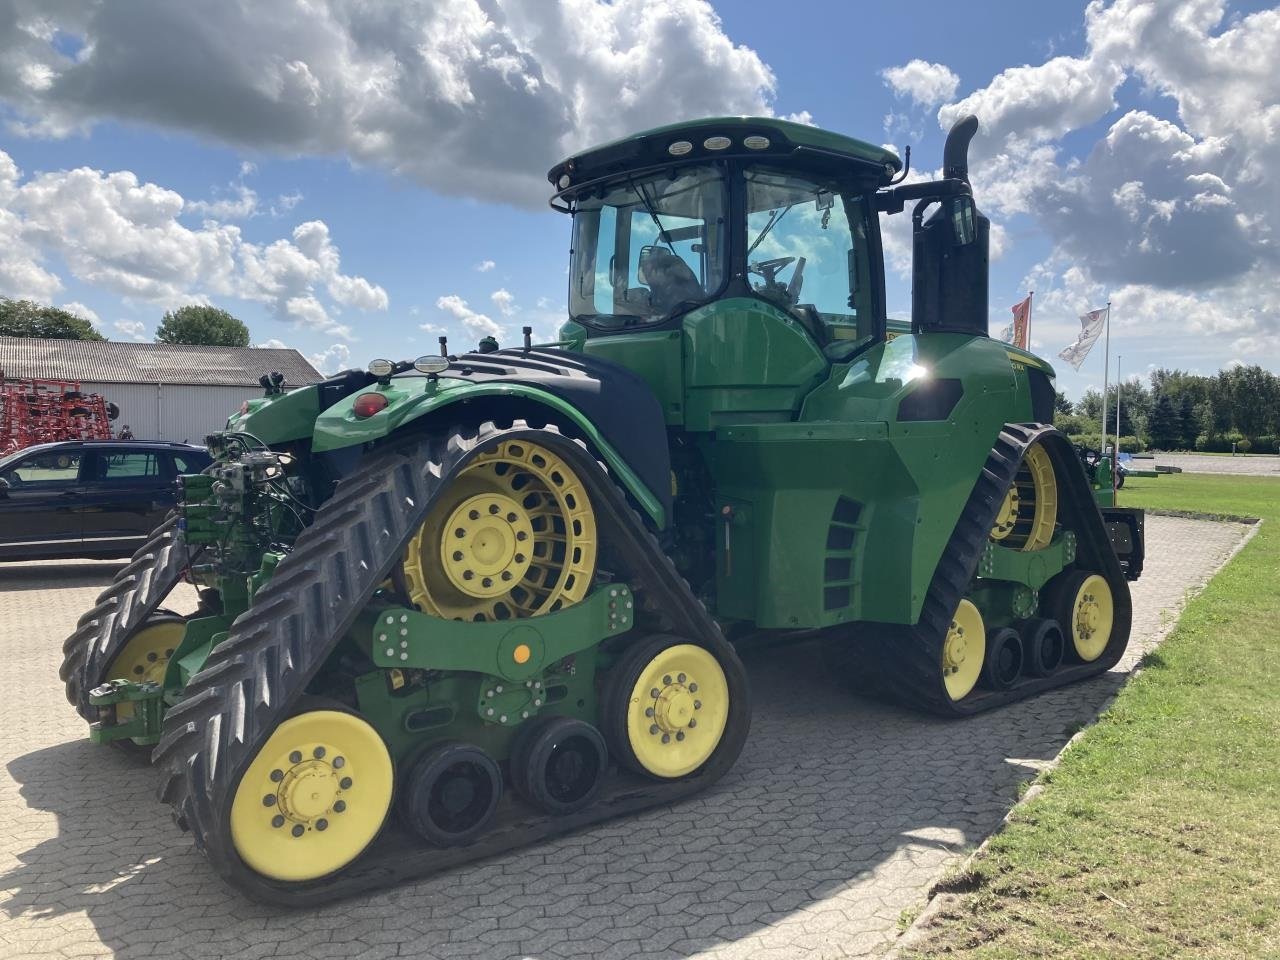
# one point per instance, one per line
(355, 179)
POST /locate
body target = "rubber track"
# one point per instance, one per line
(252, 680)
(906, 662)
(134, 595)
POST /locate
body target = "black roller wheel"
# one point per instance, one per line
(451, 794)
(1042, 646)
(1003, 662)
(559, 764)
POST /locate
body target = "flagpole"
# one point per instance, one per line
(1119, 384)
(1106, 372)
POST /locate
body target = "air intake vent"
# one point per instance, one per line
(838, 567)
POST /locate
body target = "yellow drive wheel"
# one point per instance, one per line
(1029, 512)
(1082, 604)
(668, 707)
(513, 535)
(145, 656)
(963, 650)
(313, 798)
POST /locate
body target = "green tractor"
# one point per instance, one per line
(455, 605)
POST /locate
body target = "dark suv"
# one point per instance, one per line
(89, 498)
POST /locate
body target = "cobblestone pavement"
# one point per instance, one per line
(1253, 466)
(838, 816)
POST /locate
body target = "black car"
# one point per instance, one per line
(89, 498)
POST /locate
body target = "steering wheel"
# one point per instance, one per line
(769, 268)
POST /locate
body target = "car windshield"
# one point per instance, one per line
(808, 252)
(644, 248)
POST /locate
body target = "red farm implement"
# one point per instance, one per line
(43, 411)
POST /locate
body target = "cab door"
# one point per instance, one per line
(127, 494)
(40, 505)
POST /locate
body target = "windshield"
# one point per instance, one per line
(648, 247)
(808, 251)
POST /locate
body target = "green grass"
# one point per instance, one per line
(1159, 834)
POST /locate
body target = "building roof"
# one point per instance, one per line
(96, 362)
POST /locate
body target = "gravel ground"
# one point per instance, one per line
(1256, 465)
(838, 816)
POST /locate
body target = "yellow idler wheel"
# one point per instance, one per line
(146, 655)
(313, 798)
(1083, 605)
(963, 651)
(668, 707)
(1028, 514)
(513, 535)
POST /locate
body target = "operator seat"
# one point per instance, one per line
(669, 279)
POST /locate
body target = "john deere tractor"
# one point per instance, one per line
(453, 605)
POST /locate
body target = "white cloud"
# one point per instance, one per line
(504, 301)
(242, 205)
(80, 310)
(441, 92)
(484, 266)
(331, 360)
(133, 329)
(476, 323)
(928, 84)
(272, 344)
(802, 116)
(126, 236)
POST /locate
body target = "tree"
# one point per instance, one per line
(203, 325)
(1061, 404)
(22, 318)
(1164, 425)
(1188, 422)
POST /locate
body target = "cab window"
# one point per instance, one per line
(808, 251)
(647, 248)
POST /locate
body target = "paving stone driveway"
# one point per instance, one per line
(838, 816)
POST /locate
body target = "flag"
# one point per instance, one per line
(1022, 322)
(1090, 329)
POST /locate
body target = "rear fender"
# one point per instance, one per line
(410, 401)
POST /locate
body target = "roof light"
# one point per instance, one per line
(564, 181)
(381, 368)
(431, 364)
(717, 143)
(755, 142)
(680, 148)
(367, 404)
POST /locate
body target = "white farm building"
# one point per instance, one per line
(164, 391)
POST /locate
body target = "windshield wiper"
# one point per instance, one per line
(648, 205)
(773, 222)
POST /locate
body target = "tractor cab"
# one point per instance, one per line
(715, 210)
(731, 262)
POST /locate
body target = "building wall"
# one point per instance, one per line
(172, 411)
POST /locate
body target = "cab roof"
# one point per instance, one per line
(785, 139)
